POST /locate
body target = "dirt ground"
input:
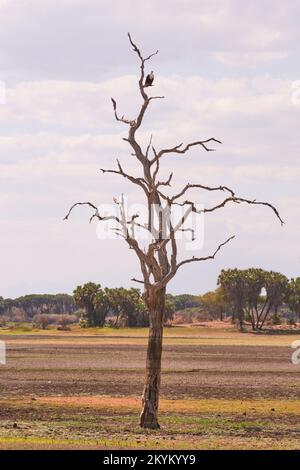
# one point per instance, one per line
(219, 390)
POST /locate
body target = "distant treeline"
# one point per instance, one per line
(250, 296)
(33, 304)
(26, 307)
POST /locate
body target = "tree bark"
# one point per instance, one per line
(150, 399)
(240, 319)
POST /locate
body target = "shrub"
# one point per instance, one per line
(276, 319)
(41, 321)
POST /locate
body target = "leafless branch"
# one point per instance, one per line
(234, 199)
(173, 230)
(142, 60)
(121, 119)
(139, 181)
(205, 258)
(247, 201)
(165, 183)
(156, 98)
(188, 230)
(80, 204)
(136, 49)
(178, 148)
(98, 216)
(157, 164)
(148, 146)
(201, 186)
(141, 282)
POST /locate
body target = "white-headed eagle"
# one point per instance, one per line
(149, 79)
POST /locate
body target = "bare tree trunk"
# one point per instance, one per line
(150, 399)
(252, 318)
(240, 319)
(260, 327)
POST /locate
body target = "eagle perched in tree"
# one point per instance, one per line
(149, 79)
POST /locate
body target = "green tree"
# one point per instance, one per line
(128, 306)
(277, 288)
(102, 306)
(232, 282)
(85, 297)
(255, 305)
(183, 301)
(293, 299)
(169, 308)
(1, 305)
(215, 303)
(246, 288)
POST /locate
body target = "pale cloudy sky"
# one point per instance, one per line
(227, 69)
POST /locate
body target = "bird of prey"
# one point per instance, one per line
(149, 79)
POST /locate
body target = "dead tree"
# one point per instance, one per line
(159, 258)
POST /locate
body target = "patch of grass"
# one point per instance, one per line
(184, 406)
(207, 442)
(175, 335)
(62, 424)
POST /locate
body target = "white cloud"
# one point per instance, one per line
(69, 103)
(62, 63)
(238, 59)
(190, 102)
(87, 38)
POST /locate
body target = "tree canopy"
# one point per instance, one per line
(254, 293)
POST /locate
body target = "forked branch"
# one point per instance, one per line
(142, 60)
(157, 264)
(234, 199)
(180, 150)
(118, 118)
(204, 258)
(139, 181)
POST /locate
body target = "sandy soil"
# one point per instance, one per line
(191, 370)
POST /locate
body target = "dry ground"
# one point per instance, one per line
(80, 389)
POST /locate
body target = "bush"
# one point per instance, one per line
(3, 320)
(65, 321)
(276, 319)
(291, 322)
(41, 321)
(83, 322)
(17, 315)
